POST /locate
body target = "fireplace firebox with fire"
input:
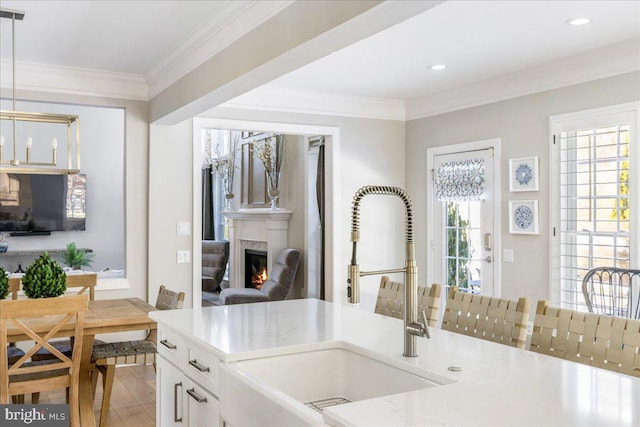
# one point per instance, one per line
(255, 268)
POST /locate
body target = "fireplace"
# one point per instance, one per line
(257, 230)
(255, 264)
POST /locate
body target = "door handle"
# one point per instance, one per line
(488, 259)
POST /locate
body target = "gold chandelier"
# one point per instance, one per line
(15, 164)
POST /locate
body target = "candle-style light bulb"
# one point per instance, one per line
(29, 143)
(54, 146)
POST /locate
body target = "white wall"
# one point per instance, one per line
(523, 126)
(370, 151)
(170, 201)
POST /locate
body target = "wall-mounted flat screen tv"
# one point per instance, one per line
(42, 203)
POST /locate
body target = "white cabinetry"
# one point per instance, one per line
(186, 383)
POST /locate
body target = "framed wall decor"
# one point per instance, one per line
(523, 174)
(523, 216)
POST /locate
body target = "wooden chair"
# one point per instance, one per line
(607, 342)
(390, 301)
(142, 352)
(13, 352)
(84, 281)
(14, 287)
(27, 377)
(494, 319)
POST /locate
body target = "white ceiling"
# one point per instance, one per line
(479, 41)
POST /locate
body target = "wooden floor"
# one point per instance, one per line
(133, 399)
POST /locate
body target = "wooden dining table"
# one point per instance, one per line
(102, 317)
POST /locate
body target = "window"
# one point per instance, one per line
(594, 209)
(216, 146)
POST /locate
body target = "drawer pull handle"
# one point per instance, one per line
(169, 345)
(196, 396)
(175, 403)
(198, 366)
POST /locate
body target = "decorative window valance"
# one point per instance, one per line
(460, 181)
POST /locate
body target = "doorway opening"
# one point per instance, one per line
(321, 245)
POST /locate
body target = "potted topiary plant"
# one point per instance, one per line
(44, 278)
(4, 283)
(76, 258)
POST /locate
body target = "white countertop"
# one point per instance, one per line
(498, 384)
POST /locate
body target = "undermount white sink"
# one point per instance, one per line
(335, 373)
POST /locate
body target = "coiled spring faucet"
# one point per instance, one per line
(412, 327)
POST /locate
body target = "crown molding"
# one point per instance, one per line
(74, 81)
(293, 101)
(226, 25)
(593, 65)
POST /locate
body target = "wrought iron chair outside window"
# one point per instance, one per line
(612, 291)
(106, 356)
(62, 372)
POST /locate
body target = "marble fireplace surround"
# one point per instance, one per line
(258, 229)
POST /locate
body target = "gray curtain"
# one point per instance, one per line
(320, 200)
(208, 232)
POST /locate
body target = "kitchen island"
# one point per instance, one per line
(469, 381)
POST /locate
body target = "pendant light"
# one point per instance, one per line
(39, 123)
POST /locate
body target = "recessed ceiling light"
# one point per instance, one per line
(437, 67)
(577, 21)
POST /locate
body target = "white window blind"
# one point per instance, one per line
(595, 206)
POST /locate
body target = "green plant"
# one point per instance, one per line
(44, 278)
(457, 248)
(4, 283)
(76, 258)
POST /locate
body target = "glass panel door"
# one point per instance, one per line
(463, 233)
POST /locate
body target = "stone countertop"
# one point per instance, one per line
(498, 384)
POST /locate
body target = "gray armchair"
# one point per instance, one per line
(215, 255)
(274, 289)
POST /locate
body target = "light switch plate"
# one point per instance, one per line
(184, 257)
(183, 228)
(507, 255)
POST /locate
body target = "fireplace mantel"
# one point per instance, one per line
(258, 214)
(266, 229)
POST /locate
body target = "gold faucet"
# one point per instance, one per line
(412, 327)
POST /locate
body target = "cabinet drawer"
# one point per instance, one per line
(202, 367)
(172, 346)
(203, 408)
